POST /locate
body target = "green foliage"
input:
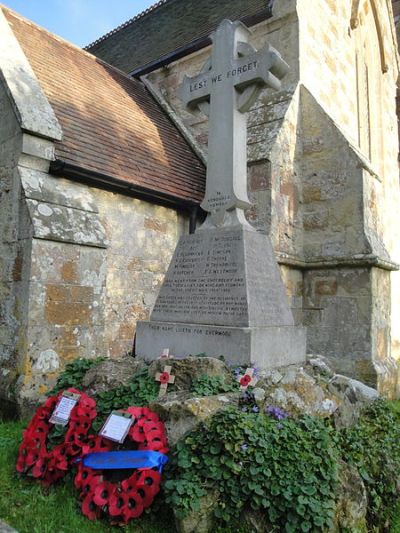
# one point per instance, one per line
(373, 446)
(286, 469)
(140, 391)
(73, 374)
(210, 385)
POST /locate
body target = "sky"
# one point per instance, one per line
(79, 21)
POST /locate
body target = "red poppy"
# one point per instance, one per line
(90, 509)
(164, 377)
(39, 470)
(151, 479)
(102, 493)
(117, 502)
(130, 483)
(137, 434)
(245, 380)
(135, 411)
(146, 494)
(134, 507)
(153, 426)
(155, 446)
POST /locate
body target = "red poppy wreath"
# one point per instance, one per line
(36, 458)
(123, 494)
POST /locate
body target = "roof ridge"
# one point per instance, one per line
(68, 43)
(127, 23)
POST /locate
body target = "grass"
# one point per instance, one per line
(29, 508)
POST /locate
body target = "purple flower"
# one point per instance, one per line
(244, 409)
(244, 447)
(277, 413)
(255, 409)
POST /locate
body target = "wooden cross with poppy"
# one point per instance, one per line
(248, 379)
(165, 378)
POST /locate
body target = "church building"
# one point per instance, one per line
(102, 169)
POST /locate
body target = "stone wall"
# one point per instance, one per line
(97, 260)
(11, 253)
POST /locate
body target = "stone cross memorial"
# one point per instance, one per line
(223, 294)
(227, 87)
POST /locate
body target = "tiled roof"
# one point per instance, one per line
(168, 26)
(111, 124)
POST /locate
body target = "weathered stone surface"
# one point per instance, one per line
(110, 374)
(296, 390)
(185, 370)
(60, 223)
(255, 521)
(354, 390)
(201, 521)
(5, 528)
(319, 366)
(182, 413)
(354, 395)
(33, 109)
(351, 502)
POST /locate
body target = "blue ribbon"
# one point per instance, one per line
(125, 459)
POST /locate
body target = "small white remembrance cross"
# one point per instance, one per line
(227, 87)
(248, 379)
(165, 378)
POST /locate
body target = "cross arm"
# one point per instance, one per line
(194, 90)
(265, 67)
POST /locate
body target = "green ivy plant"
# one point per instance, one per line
(286, 469)
(73, 374)
(209, 385)
(373, 447)
(140, 391)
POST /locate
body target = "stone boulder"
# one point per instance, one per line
(354, 395)
(185, 370)
(181, 412)
(351, 503)
(297, 391)
(200, 521)
(110, 374)
(350, 509)
(5, 528)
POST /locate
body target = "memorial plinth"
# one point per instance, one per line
(223, 294)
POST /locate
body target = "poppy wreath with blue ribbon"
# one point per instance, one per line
(36, 458)
(120, 481)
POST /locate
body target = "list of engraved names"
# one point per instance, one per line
(207, 281)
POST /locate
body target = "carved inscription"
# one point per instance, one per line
(198, 330)
(216, 78)
(207, 284)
